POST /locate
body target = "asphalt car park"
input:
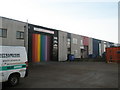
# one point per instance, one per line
(71, 75)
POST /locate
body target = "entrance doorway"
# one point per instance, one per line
(41, 47)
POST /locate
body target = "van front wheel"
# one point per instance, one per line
(13, 80)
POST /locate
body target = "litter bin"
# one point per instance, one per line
(71, 57)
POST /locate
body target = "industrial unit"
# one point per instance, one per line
(42, 43)
(46, 44)
(13, 33)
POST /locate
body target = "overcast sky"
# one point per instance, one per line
(93, 18)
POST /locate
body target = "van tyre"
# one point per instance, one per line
(13, 80)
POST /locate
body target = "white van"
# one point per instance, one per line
(13, 64)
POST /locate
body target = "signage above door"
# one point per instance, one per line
(43, 30)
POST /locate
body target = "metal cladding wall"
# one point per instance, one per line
(12, 26)
(0, 22)
(75, 45)
(86, 46)
(68, 43)
(104, 44)
(0, 28)
(81, 47)
(109, 44)
(102, 47)
(90, 46)
(41, 44)
(85, 41)
(62, 45)
(96, 47)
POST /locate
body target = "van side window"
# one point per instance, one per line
(3, 33)
(20, 35)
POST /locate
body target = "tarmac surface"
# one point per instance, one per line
(71, 75)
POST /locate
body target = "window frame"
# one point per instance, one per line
(2, 31)
(75, 41)
(20, 32)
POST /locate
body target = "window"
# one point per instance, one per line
(55, 38)
(81, 42)
(68, 43)
(3, 33)
(74, 40)
(19, 35)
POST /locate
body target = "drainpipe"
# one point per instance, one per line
(26, 36)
